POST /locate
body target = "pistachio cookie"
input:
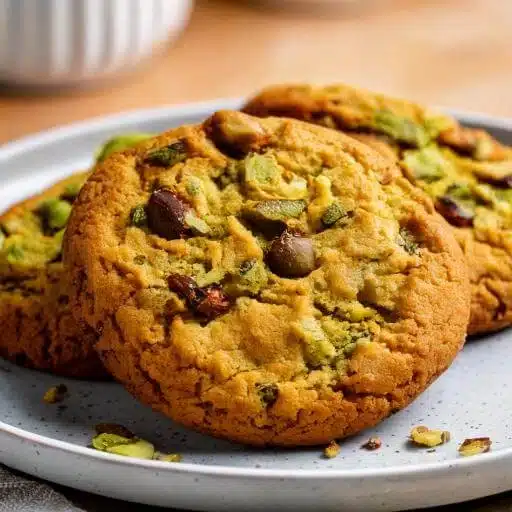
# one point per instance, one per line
(465, 171)
(38, 329)
(267, 281)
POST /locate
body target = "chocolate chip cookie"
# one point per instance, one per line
(466, 172)
(38, 329)
(267, 281)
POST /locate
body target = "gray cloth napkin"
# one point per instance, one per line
(19, 494)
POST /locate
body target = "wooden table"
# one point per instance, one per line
(455, 53)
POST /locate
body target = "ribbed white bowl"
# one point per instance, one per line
(68, 41)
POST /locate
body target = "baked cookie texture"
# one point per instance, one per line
(38, 329)
(267, 281)
(466, 171)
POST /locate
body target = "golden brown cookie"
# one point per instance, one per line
(38, 329)
(266, 280)
(465, 171)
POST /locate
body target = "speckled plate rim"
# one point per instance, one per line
(116, 121)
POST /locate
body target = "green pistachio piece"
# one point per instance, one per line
(460, 191)
(140, 259)
(56, 212)
(119, 143)
(15, 253)
(193, 186)
(140, 449)
(107, 440)
(332, 214)
(407, 241)
(71, 191)
(427, 164)
(318, 349)
(268, 393)
(168, 155)
(401, 129)
(196, 224)
(167, 457)
(261, 169)
(138, 216)
(276, 209)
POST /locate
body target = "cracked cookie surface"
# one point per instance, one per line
(38, 329)
(465, 171)
(265, 280)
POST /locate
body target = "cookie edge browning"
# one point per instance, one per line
(47, 342)
(89, 226)
(491, 304)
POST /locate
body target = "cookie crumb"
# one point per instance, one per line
(332, 450)
(475, 446)
(374, 443)
(423, 436)
(167, 457)
(55, 394)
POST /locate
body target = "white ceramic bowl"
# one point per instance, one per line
(62, 42)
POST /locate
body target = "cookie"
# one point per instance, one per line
(267, 281)
(465, 171)
(38, 329)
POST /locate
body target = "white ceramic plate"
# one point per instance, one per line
(472, 399)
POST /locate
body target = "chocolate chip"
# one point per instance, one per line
(291, 255)
(503, 182)
(166, 214)
(209, 301)
(454, 213)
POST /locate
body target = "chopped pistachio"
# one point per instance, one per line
(276, 209)
(167, 457)
(427, 164)
(268, 393)
(318, 349)
(374, 443)
(106, 440)
(119, 143)
(140, 259)
(401, 129)
(71, 191)
(332, 450)
(15, 253)
(55, 394)
(261, 169)
(423, 436)
(332, 214)
(247, 265)
(475, 446)
(139, 449)
(196, 224)
(459, 191)
(56, 212)
(168, 155)
(193, 186)
(121, 445)
(406, 240)
(138, 216)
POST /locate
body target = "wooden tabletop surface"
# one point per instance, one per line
(454, 53)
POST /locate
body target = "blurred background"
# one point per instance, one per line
(67, 60)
